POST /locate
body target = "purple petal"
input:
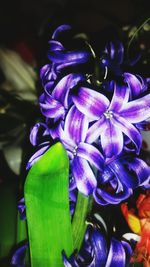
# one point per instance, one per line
(38, 130)
(120, 97)
(48, 76)
(76, 126)
(22, 209)
(90, 103)
(136, 87)
(111, 139)
(128, 129)
(50, 107)
(55, 46)
(138, 110)
(92, 154)
(96, 129)
(63, 87)
(99, 245)
(115, 51)
(71, 262)
(85, 179)
(141, 169)
(116, 256)
(36, 156)
(56, 131)
(128, 251)
(44, 70)
(73, 57)
(60, 29)
(102, 197)
(19, 256)
(122, 169)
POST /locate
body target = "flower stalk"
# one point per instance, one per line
(79, 225)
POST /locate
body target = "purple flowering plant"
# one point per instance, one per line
(90, 137)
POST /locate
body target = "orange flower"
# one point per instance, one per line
(140, 225)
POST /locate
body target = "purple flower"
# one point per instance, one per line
(119, 178)
(40, 138)
(113, 119)
(96, 252)
(82, 155)
(61, 58)
(54, 103)
(48, 76)
(113, 59)
(18, 258)
(22, 209)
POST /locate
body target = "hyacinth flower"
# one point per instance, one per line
(60, 58)
(38, 134)
(55, 104)
(96, 252)
(113, 119)
(119, 178)
(110, 180)
(113, 61)
(87, 151)
(82, 155)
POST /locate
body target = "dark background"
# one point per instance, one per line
(32, 19)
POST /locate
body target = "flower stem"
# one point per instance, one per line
(135, 34)
(83, 208)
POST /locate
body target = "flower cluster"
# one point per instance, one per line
(96, 252)
(98, 123)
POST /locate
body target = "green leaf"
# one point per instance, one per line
(47, 208)
(79, 223)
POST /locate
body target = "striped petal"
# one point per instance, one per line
(134, 84)
(90, 103)
(73, 57)
(76, 126)
(128, 251)
(60, 29)
(120, 97)
(36, 156)
(138, 110)
(123, 171)
(116, 256)
(115, 50)
(84, 176)
(141, 169)
(128, 129)
(99, 245)
(55, 46)
(92, 154)
(50, 107)
(95, 130)
(38, 130)
(104, 198)
(63, 87)
(111, 140)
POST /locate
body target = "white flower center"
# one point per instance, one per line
(75, 150)
(108, 114)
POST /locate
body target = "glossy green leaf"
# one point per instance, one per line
(47, 208)
(79, 223)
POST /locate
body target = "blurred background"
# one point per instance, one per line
(25, 28)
